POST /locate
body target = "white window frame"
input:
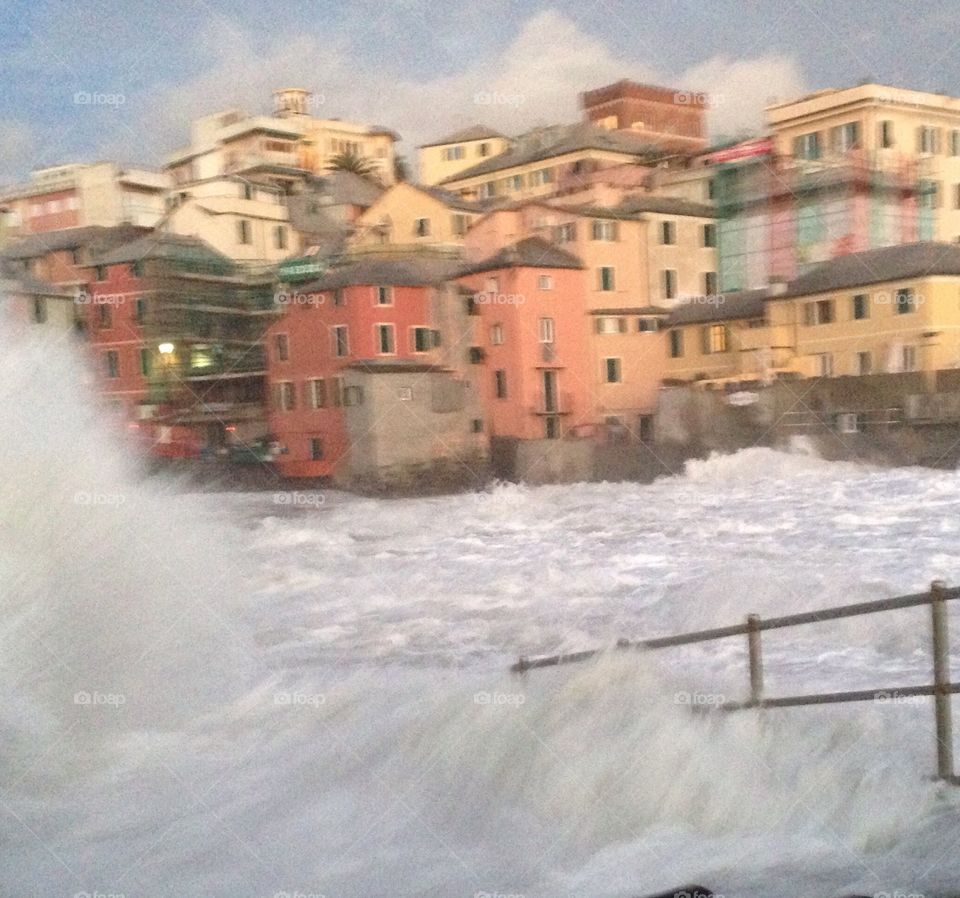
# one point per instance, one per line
(392, 329)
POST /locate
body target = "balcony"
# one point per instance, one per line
(553, 404)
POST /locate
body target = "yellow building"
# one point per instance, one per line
(408, 215)
(283, 145)
(444, 158)
(890, 128)
(547, 160)
(888, 310)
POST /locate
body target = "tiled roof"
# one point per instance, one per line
(474, 132)
(890, 263)
(160, 245)
(406, 271)
(96, 238)
(547, 143)
(722, 307)
(533, 252)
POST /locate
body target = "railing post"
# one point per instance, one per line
(756, 659)
(941, 679)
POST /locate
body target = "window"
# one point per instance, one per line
(459, 224)
(483, 149)
(247, 191)
(139, 310)
(861, 307)
(136, 268)
(281, 348)
(608, 324)
(807, 146)
(605, 278)
(819, 312)
(112, 362)
(243, 231)
(565, 233)
(909, 358)
(284, 398)
(604, 229)
(476, 425)
(823, 364)
(317, 392)
(101, 272)
(711, 189)
(956, 196)
(104, 315)
(496, 335)
(500, 384)
(676, 344)
(668, 233)
(385, 340)
(669, 278)
(648, 325)
(551, 427)
(611, 371)
(384, 296)
(338, 298)
(546, 330)
(421, 339)
(515, 182)
(39, 309)
(544, 282)
(709, 235)
(928, 139)
(76, 256)
(145, 362)
(421, 227)
(316, 449)
(955, 142)
(341, 343)
(645, 428)
(280, 237)
(864, 363)
(710, 283)
(905, 301)
(885, 134)
(845, 137)
(714, 337)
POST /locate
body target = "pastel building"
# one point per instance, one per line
(82, 195)
(453, 153)
(293, 139)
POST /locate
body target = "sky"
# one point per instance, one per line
(122, 79)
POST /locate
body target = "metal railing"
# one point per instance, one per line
(941, 689)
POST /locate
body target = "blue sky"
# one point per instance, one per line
(423, 70)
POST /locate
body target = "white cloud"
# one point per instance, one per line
(534, 80)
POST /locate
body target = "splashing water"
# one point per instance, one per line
(220, 695)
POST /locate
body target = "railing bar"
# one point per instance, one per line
(829, 698)
(771, 623)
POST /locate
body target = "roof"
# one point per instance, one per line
(722, 307)
(875, 266)
(474, 132)
(349, 188)
(24, 283)
(664, 205)
(418, 270)
(632, 310)
(95, 237)
(452, 200)
(396, 366)
(161, 245)
(533, 252)
(547, 143)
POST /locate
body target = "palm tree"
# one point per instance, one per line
(351, 162)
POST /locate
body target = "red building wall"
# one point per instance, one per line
(308, 324)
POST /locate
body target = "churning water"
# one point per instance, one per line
(277, 695)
